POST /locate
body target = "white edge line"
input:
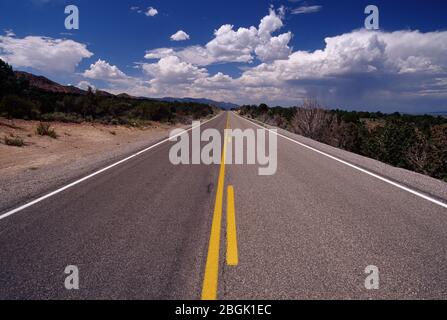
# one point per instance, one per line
(400, 186)
(29, 204)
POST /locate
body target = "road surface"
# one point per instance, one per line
(146, 229)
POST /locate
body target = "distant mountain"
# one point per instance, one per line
(45, 84)
(125, 96)
(223, 105)
(439, 113)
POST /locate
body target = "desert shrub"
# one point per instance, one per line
(312, 121)
(14, 141)
(61, 117)
(44, 129)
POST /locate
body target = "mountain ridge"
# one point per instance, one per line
(220, 104)
(45, 84)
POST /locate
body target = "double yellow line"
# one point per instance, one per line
(211, 277)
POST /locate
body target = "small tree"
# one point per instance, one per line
(312, 120)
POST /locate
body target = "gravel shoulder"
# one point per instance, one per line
(419, 182)
(44, 164)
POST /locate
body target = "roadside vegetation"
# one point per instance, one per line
(413, 142)
(44, 129)
(20, 101)
(14, 141)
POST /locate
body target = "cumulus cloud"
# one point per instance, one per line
(151, 12)
(241, 45)
(275, 49)
(159, 53)
(43, 53)
(85, 85)
(102, 70)
(180, 36)
(360, 69)
(172, 70)
(363, 68)
(217, 82)
(363, 52)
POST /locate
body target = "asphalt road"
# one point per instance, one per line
(142, 230)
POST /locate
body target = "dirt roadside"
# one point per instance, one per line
(44, 163)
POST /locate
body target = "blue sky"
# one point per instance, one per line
(399, 67)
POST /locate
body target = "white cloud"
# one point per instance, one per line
(173, 71)
(180, 36)
(270, 24)
(275, 49)
(360, 69)
(218, 81)
(241, 45)
(84, 85)
(307, 9)
(229, 45)
(196, 55)
(43, 53)
(159, 53)
(167, 77)
(102, 70)
(151, 12)
(364, 52)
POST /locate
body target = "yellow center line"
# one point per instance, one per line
(232, 250)
(210, 281)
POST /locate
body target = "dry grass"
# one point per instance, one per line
(14, 141)
(75, 143)
(44, 129)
